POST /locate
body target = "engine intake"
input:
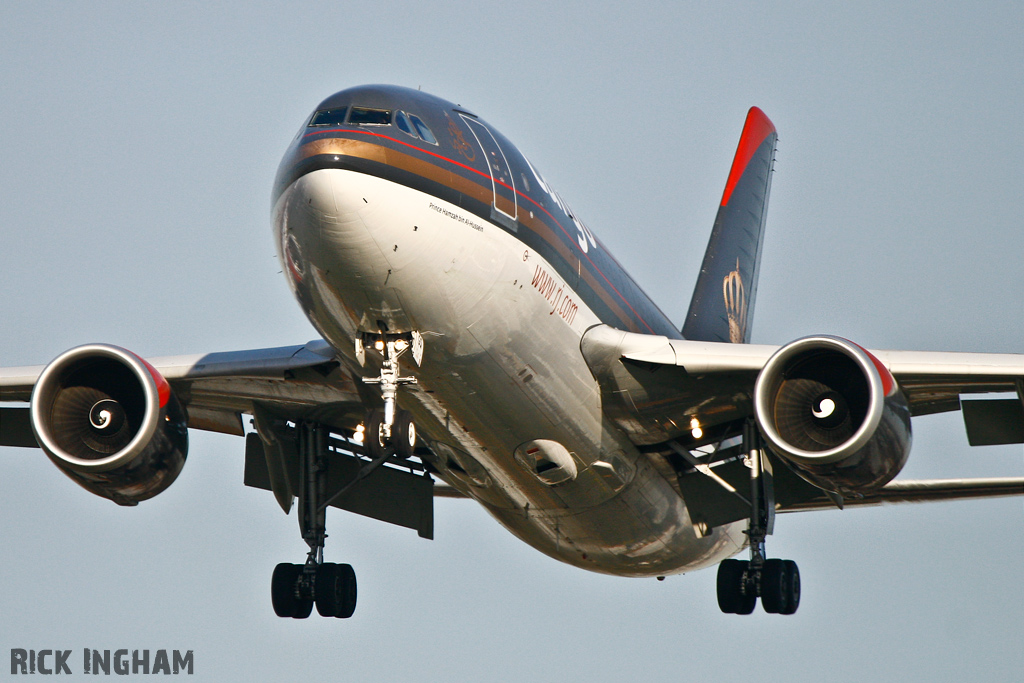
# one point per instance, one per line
(109, 421)
(835, 412)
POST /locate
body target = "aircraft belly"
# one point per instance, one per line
(502, 367)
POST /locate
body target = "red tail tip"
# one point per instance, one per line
(756, 130)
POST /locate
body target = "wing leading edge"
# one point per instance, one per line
(216, 388)
(652, 384)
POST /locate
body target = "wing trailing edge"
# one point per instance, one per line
(923, 491)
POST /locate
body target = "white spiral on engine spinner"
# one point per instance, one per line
(824, 409)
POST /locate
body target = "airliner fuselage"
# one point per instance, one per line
(397, 211)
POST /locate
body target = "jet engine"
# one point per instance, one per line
(109, 421)
(833, 411)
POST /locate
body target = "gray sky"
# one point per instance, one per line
(138, 142)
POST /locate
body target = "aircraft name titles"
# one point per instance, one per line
(555, 295)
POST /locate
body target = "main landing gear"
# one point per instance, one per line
(296, 588)
(388, 432)
(740, 582)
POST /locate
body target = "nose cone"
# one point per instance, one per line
(325, 227)
(313, 231)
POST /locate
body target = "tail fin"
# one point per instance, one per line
(723, 300)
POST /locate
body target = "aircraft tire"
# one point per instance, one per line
(304, 608)
(403, 434)
(791, 584)
(772, 586)
(282, 590)
(731, 598)
(326, 589)
(335, 590)
(346, 604)
(374, 440)
(780, 586)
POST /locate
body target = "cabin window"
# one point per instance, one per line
(365, 116)
(328, 117)
(422, 130)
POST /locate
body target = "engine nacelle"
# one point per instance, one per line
(833, 411)
(109, 421)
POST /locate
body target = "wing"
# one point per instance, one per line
(653, 384)
(279, 387)
(939, 382)
(217, 388)
(685, 402)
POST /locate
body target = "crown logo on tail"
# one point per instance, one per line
(735, 296)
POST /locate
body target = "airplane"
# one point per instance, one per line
(478, 341)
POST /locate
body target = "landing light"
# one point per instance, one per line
(360, 433)
(379, 346)
(695, 429)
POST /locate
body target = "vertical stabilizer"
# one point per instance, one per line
(723, 300)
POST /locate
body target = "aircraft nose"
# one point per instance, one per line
(316, 190)
(323, 215)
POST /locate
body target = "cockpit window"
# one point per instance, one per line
(372, 117)
(412, 125)
(422, 129)
(328, 117)
(402, 121)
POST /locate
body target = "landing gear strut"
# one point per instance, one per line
(388, 432)
(741, 582)
(391, 427)
(332, 587)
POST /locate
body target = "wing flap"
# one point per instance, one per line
(993, 422)
(16, 428)
(387, 494)
(210, 420)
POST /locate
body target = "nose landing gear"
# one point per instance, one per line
(390, 427)
(741, 582)
(400, 435)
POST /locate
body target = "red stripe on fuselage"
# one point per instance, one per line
(756, 130)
